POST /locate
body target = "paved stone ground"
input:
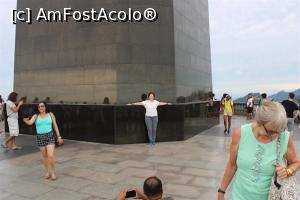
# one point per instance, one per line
(190, 170)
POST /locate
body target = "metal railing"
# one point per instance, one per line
(241, 109)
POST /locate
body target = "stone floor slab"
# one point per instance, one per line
(190, 170)
(27, 189)
(63, 194)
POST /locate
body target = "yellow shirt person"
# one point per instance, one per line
(228, 106)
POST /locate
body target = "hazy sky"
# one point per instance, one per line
(7, 47)
(255, 46)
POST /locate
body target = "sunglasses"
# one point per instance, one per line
(270, 132)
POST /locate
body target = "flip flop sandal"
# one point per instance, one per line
(47, 176)
(4, 147)
(17, 148)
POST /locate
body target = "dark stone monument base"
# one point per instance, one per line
(120, 124)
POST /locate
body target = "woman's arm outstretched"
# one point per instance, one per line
(164, 103)
(137, 103)
(30, 121)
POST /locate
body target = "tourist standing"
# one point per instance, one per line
(263, 99)
(222, 102)
(253, 155)
(151, 116)
(45, 122)
(292, 110)
(250, 106)
(1, 116)
(211, 99)
(227, 105)
(152, 190)
(222, 109)
(12, 119)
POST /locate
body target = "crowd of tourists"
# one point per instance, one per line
(262, 164)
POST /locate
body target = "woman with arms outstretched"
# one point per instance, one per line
(151, 116)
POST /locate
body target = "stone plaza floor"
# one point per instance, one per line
(190, 170)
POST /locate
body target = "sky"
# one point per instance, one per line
(7, 47)
(255, 46)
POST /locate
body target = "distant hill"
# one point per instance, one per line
(244, 98)
(279, 96)
(282, 95)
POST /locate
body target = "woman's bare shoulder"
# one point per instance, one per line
(236, 136)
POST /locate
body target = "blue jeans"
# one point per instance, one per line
(151, 123)
(290, 124)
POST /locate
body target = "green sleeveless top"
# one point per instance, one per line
(254, 173)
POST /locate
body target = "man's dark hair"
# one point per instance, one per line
(153, 187)
(13, 97)
(211, 95)
(292, 95)
(144, 97)
(224, 95)
(264, 95)
(106, 100)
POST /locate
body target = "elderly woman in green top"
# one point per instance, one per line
(253, 154)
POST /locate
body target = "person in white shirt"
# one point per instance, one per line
(151, 116)
(250, 106)
(12, 119)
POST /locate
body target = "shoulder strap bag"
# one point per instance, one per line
(283, 188)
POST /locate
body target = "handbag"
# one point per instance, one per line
(57, 144)
(283, 188)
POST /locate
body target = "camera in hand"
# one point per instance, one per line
(24, 99)
(130, 194)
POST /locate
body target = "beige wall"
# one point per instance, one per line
(85, 62)
(91, 84)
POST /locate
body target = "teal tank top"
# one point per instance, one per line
(43, 125)
(254, 173)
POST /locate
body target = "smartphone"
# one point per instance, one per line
(24, 99)
(130, 194)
